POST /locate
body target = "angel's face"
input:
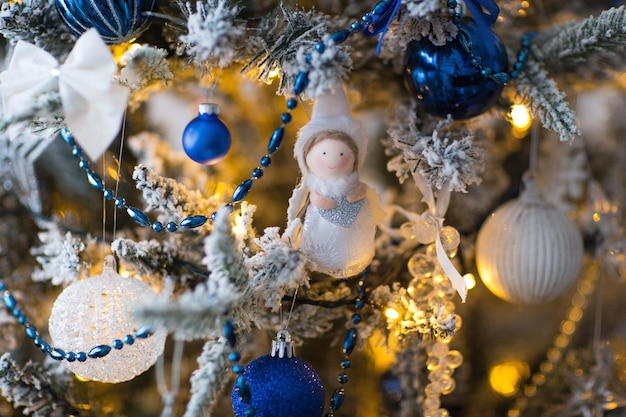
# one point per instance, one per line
(330, 158)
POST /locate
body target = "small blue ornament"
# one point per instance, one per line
(444, 80)
(280, 385)
(117, 21)
(206, 139)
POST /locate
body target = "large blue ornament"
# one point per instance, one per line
(280, 386)
(444, 80)
(117, 21)
(206, 139)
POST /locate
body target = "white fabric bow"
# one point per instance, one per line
(92, 103)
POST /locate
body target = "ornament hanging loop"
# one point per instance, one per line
(282, 345)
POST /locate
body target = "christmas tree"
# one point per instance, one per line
(421, 197)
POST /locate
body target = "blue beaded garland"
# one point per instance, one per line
(444, 80)
(206, 139)
(280, 387)
(117, 21)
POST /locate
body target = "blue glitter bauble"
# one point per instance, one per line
(206, 139)
(444, 80)
(281, 387)
(117, 21)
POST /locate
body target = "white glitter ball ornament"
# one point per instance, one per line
(96, 311)
(528, 251)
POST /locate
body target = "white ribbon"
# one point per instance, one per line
(437, 210)
(92, 103)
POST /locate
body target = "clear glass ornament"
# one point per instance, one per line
(450, 238)
(454, 359)
(421, 265)
(425, 230)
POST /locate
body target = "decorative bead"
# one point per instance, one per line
(242, 191)
(343, 378)
(9, 300)
(157, 226)
(67, 137)
(345, 364)
(337, 399)
(234, 356)
(116, 21)
(138, 216)
(238, 369)
(193, 221)
(285, 117)
(349, 342)
(340, 36)
(81, 356)
(320, 47)
(108, 194)
(83, 164)
(367, 18)
(229, 332)
(120, 202)
(356, 26)
(206, 139)
(99, 351)
(70, 356)
(276, 140)
(302, 81)
(77, 152)
(266, 161)
(117, 344)
(257, 173)
(94, 180)
(129, 339)
(292, 103)
(144, 332)
(171, 227)
(443, 79)
(356, 318)
(57, 354)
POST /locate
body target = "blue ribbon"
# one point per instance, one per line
(381, 20)
(385, 11)
(484, 21)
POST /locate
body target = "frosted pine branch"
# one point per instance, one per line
(209, 379)
(148, 257)
(547, 101)
(300, 28)
(171, 197)
(213, 32)
(194, 314)
(575, 43)
(36, 22)
(445, 156)
(143, 65)
(59, 256)
(31, 388)
(276, 269)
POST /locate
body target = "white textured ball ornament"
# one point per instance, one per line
(528, 251)
(97, 311)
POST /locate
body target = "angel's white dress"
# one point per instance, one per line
(338, 241)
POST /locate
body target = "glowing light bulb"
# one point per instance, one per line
(392, 314)
(470, 281)
(506, 377)
(521, 119)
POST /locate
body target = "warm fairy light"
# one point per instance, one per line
(381, 349)
(119, 51)
(506, 378)
(596, 217)
(392, 314)
(274, 73)
(470, 280)
(521, 119)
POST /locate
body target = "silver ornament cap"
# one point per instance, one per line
(282, 346)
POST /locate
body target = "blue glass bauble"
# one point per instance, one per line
(443, 79)
(206, 139)
(281, 387)
(117, 21)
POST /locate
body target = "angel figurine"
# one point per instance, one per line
(338, 212)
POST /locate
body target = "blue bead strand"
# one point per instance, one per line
(349, 343)
(238, 368)
(500, 77)
(58, 354)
